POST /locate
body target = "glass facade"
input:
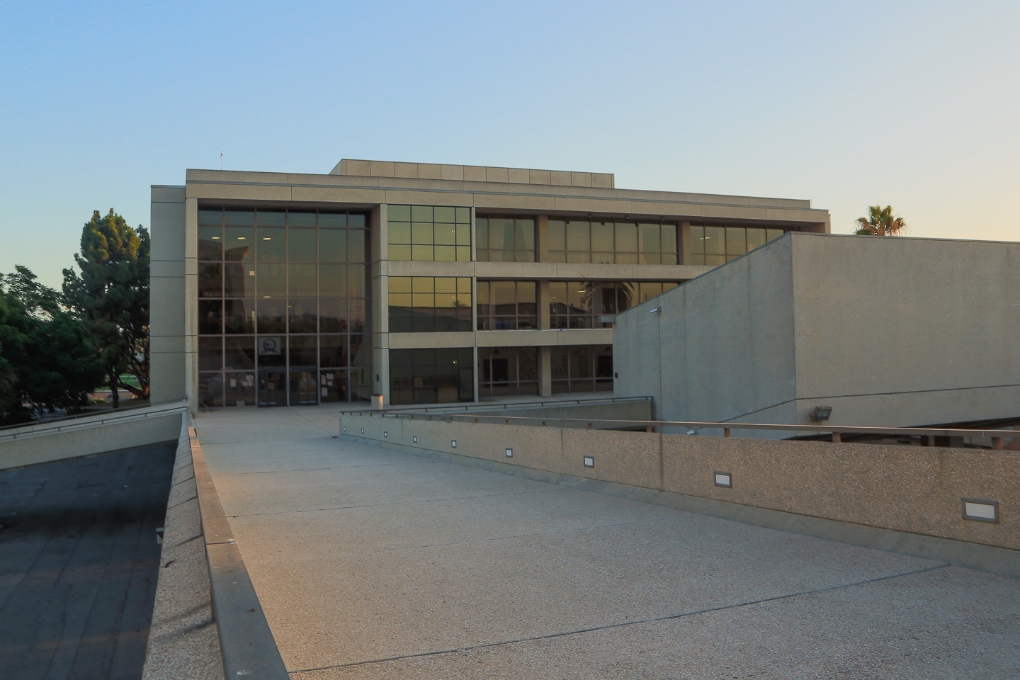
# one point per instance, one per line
(429, 304)
(431, 376)
(283, 307)
(504, 239)
(507, 305)
(715, 245)
(579, 304)
(507, 371)
(429, 233)
(612, 242)
(582, 369)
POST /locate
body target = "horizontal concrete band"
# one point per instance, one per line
(246, 642)
(834, 490)
(50, 442)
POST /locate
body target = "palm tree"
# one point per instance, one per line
(880, 222)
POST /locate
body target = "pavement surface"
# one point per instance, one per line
(376, 564)
(79, 564)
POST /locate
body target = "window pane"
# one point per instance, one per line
(332, 220)
(272, 280)
(557, 235)
(650, 290)
(578, 237)
(333, 245)
(715, 241)
(464, 235)
(303, 350)
(669, 238)
(356, 283)
(210, 388)
(271, 218)
(240, 353)
(649, 235)
(213, 217)
(463, 253)
(239, 316)
(736, 241)
(333, 280)
(398, 213)
(445, 253)
(271, 245)
(210, 317)
(301, 219)
(626, 237)
(303, 314)
(399, 233)
(356, 221)
(356, 245)
(302, 280)
(445, 234)
(755, 238)
(210, 280)
(240, 218)
(463, 215)
(443, 214)
(271, 315)
(271, 350)
(239, 244)
(332, 315)
(421, 213)
(333, 351)
(602, 237)
(402, 253)
(210, 243)
(697, 240)
(238, 280)
(422, 253)
(525, 236)
(526, 292)
(240, 389)
(774, 233)
(210, 354)
(302, 245)
(482, 233)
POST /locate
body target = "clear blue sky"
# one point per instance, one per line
(916, 105)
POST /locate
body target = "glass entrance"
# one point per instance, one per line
(303, 386)
(272, 387)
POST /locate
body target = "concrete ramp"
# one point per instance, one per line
(39, 443)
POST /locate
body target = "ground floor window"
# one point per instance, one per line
(431, 376)
(507, 371)
(582, 369)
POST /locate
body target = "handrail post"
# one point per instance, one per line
(836, 439)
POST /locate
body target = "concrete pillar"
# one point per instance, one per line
(477, 369)
(380, 319)
(191, 302)
(545, 371)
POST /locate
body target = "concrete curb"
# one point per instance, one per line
(1001, 561)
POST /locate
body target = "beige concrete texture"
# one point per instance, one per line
(167, 294)
(371, 563)
(480, 173)
(47, 442)
(183, 639)
(793, 325)
(918, 490)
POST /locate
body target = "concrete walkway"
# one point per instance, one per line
(375, 564)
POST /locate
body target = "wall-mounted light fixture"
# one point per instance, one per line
(385, 434)
(453, 443)
(821, 413)
(723, 479)
(589, 461)
(415, 439)
(345, 428)
(980, 510)
(362, 430)
(509, 453)
(655, 310)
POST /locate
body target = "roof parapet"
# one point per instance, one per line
(473, 173)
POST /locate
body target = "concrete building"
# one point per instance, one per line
(886, 331)
(421, 283)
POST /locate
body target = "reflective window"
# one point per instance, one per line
(430, 233)
(612, 242)
(715, 245)
(582, 369)
(579, 304)
(507, 305)
(507, 371)
(504, 239)
(425, 304)
(431, 376)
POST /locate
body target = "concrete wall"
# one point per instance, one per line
(167, 295)
(906, 489)
(887, 331)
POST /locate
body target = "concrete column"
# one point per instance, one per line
(545, 371)
(477, 368)
(191, 302)
(542, 298)
(380, 305)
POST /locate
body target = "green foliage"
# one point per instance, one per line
(880, 222)
(112, 297)
(47, 360)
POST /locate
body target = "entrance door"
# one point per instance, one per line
(304, 388)
(272, 387)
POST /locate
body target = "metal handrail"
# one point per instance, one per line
(702, 425)
(37, 429)
(507, 405)
(75, 416)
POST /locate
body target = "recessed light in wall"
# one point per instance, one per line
(980, 510)
(723, 479)
(821, 413)
(385, 434)
(509, 453)
(362, 430)
(589, 461)
(453, 443)
(345, 428)
(415, 439)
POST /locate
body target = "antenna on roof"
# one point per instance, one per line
(221, 160)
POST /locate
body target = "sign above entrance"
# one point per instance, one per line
(269, 347)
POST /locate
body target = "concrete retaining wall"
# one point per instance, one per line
(906, 489)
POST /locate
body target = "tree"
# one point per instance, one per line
(47, 359)
(112, 297)
(880, 222)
